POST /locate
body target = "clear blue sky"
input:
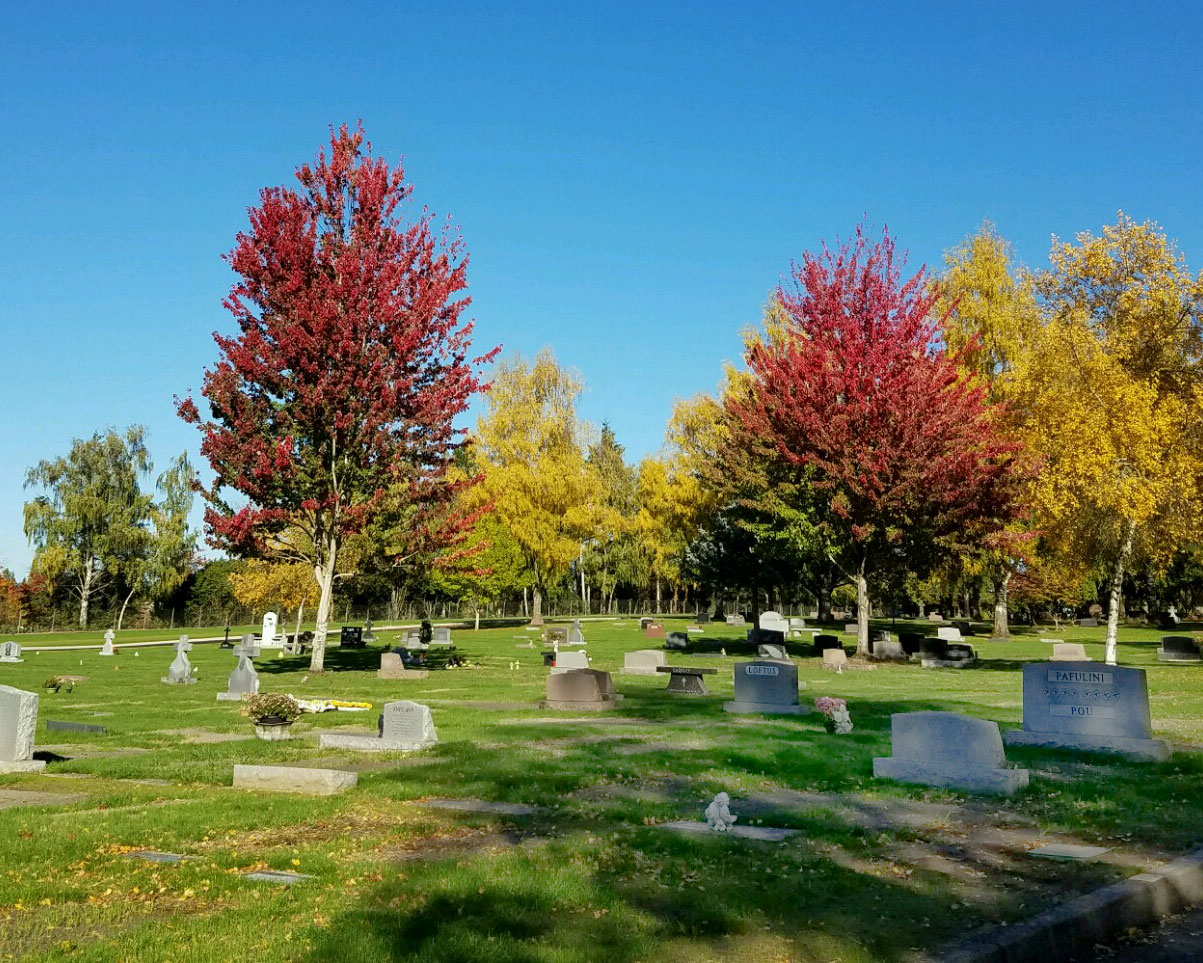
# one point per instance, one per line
(631, 180)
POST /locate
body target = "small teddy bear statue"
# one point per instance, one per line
(718, 814)
(842, 720)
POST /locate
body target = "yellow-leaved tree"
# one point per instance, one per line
(1110, 390)
(535, 472)
(990, 314)
(259, 585)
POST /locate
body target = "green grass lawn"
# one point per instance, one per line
(590, 876)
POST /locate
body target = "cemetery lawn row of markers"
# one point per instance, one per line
(587, 876)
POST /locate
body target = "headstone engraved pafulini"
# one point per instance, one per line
(1085, 705)
(769, 687)
(951, 750)
(180, 670)
(244, 680)
(10, 652)
(107, 648)
(402, 727)
(18, 722)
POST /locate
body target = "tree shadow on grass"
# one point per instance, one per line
(350, 659)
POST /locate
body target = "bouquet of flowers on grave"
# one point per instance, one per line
(273, 706)
(55, 682)
(829, 706)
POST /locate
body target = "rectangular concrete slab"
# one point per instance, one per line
(1069, 852)
(480, 806)
(313, 782)
(275, 876)
(769, 834)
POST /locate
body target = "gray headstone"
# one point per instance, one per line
(680, 640)
(18, 722)
(368, 636)
(107, 648)
(774, 622)
(1085, 705)
(949, 633)
(1069, 652)
(244, 680)
(851, 628)
(407, 726)
(768, 687)
(180, 670)
(643, 662)
(735, 619)
(772, 652)
(580, 689)
(1088, 623)
(888, 648)
(947, 749)
(567, 661)
(834, 658)
(442, 633)
(1178, 648)
(10, 652)
(575, 635)
(269, 632)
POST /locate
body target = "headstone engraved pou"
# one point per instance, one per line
(769, 687)
(1085, 705)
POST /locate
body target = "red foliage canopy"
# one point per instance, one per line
(351, 360)
(859, 388)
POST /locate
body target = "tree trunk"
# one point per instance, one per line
(1002, 628)
(1117, 585)
(300, 614)
(85, 592)
(657, 612)
(476, 609)
(862, 613)
(121, 614)
(536, 614)
(325, 581)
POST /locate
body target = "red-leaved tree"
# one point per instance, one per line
(334, 404)
(905, 452)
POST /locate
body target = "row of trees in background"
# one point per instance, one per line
(890, 442)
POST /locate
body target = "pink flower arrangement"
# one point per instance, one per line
(829, 704)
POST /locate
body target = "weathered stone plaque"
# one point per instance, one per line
(1085, 705)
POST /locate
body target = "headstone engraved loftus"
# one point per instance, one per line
(1178, 648)
(1085, 705)
(947, 749)
(766, 687)
(18, 722)
(403, 727)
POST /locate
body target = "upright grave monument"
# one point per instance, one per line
(569, 661)
(588, 690)
(269, 632)
(180, 670)
(769, 687)
(643, 662)
(1085, 705)
(18, 722)
(403, 727)
(107, 648)
(947, 749)
(10, 652)
(1178, 648)
(244, 680)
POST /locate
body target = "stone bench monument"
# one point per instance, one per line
(950, 750)
(768, 687)
(687, 679)
(1086, 705)
(587, 690)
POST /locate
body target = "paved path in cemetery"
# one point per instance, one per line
(1178, 940)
